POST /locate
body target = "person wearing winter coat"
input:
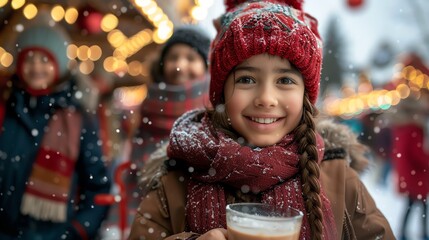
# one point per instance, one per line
(343, 160)
(259, 143)
(410, 156)
(180, 84)
(51, 165)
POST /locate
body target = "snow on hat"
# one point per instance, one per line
(190, 35)
(273, 27)
(230, 4)
(52, 41)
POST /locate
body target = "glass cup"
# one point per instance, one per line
(251, 221)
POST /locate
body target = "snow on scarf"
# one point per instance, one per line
(213, 159)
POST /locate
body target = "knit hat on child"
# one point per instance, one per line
(275, 27)
(49, 40)
(192, 36)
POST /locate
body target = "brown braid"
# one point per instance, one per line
(306, 138)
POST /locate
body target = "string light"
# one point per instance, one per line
(124, 46)
(412, 81)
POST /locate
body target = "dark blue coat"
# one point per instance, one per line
(26, 115)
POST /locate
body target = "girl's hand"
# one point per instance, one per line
(214, 234)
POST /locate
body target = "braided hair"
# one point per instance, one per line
(305, 135)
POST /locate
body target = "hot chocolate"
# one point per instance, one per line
(252, 221)
(251, 234)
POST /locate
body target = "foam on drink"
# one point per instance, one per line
(255, 234)
(253, 221)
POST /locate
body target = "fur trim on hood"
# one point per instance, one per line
(340, 136)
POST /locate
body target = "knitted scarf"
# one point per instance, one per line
(163, 105)
(48, 187)
(214, 160)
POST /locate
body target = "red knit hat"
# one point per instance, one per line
(273, 27)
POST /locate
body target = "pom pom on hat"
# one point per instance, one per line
(258, 27)
(297, 4)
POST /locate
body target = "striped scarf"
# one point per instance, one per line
(47, 191)
(214, 160)
(163, 105)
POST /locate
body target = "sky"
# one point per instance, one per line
(393, 20)
(400, 23)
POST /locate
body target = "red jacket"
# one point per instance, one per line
(410, 160)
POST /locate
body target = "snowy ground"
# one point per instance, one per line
(392, 204)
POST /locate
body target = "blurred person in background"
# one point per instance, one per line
(180, 83)
(51, 164)
(376, 134)
(382, 148)
(410, 155)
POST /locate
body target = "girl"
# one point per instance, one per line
(259, 143)
(51, 165)
(180, 84)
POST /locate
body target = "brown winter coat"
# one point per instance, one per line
(162, 211)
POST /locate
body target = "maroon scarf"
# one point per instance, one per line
(214, 160)
(163, 105)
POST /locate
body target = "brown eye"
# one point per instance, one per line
(193, 56)
(245, 80)
(285, 81)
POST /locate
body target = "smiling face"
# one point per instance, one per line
(182, 63)
(264, 99)
(38, 70)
